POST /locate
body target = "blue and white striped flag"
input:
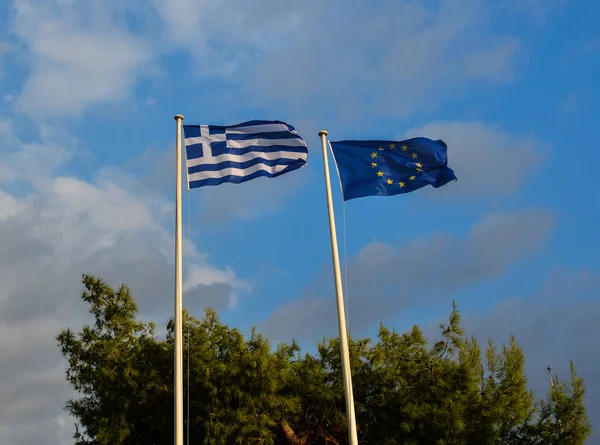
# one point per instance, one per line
(237, 153)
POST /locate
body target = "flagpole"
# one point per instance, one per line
(178, 371)
(352, 436)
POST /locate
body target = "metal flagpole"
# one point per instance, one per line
(352, 436)
(178, 371)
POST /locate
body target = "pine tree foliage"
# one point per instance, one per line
(243, 391)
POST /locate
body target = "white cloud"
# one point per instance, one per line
(388, 58)
(488, 161)
(9, 206)
(61, 228)
(222, 36)
(5, 48)
(79, 55)
(439, 264)
(82, 54)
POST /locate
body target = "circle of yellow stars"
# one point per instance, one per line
(390, 181)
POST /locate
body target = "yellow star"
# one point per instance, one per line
(373, 164)
(381, 148)
(392, 146)
(373, 155)
(412, 178)
(390, 182)
(379, 173)
(414, 156)
(419, 165)
(404, 147)
(420, 170)
(401, 184)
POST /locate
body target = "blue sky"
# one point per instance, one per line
(89, 91)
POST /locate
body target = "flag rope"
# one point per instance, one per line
(345, 267)
(344, 230)
(189, 239)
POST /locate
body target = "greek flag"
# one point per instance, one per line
(238, 153)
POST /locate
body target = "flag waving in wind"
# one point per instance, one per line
(369, 168)
(237, 153)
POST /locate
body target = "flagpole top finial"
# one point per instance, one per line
(323, 133)
(178, 117)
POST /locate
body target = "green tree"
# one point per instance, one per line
(238, 385)
(562, 417)
(118, 367)
(242, 391)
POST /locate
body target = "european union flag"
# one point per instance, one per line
(370, 168)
